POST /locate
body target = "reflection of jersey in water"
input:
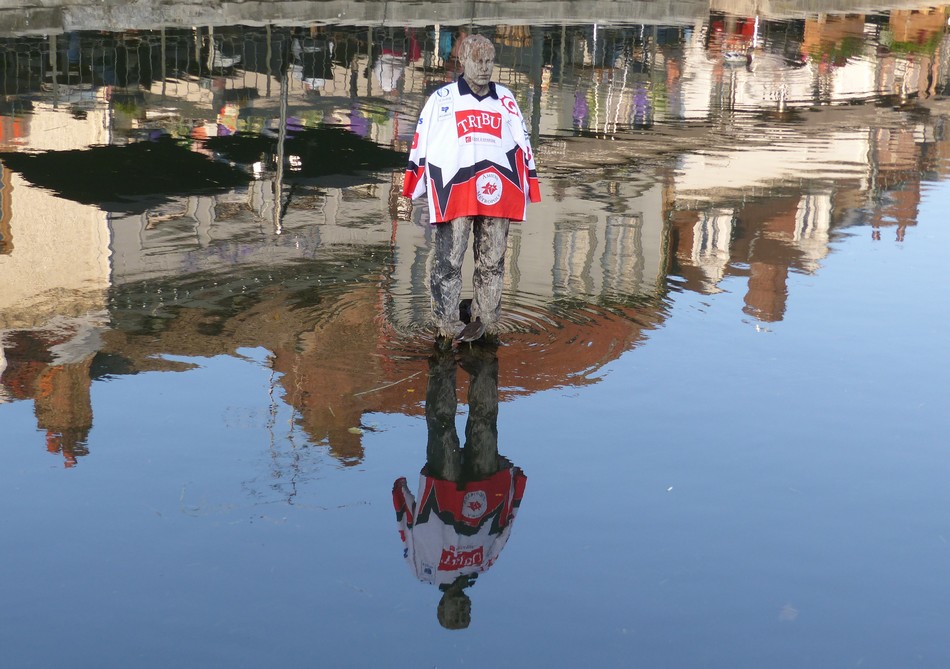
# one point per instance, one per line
(456, 529)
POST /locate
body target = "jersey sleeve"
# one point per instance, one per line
(405, 504)
(414, 184)
(533, 186)
(516, 492)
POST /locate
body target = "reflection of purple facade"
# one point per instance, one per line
(642, 113)
(581, 110)
(359, 124)
(294, 124)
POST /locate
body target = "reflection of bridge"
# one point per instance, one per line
(79, 15)
(64, 15)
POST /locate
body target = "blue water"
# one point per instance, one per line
(721, 497)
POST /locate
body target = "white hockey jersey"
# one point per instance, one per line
(472, 155)
(454, 530)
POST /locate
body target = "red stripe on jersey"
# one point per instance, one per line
(412, 177)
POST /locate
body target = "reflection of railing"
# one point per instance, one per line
(621, 78)
(30, 64)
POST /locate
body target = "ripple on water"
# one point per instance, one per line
(543, 343)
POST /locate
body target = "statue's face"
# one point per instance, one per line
(478, 66)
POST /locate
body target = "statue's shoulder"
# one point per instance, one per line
(501, 90)
(446, 92)
(507, 99)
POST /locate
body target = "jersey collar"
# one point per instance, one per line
(465, 90)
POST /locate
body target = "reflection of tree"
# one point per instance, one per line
(833, 40)
(927, 47)
(915, 31)
(291, 464)
(838, 53)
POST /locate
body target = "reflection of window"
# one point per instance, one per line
(6, 213)
(812, 223)
(574, 243)
(813, 217)
(623, 260)
(712, 235)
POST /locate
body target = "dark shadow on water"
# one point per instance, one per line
(322, 151)
(137, 176)
(119, 177)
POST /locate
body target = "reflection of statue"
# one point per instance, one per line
(468, 496)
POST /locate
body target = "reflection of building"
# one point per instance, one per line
(54, 273)
(36, 228)
(172, 273)
(571, 247)
(770, 233)
(339, 360)
(627, 201)
(58, 381)
(733, 217)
